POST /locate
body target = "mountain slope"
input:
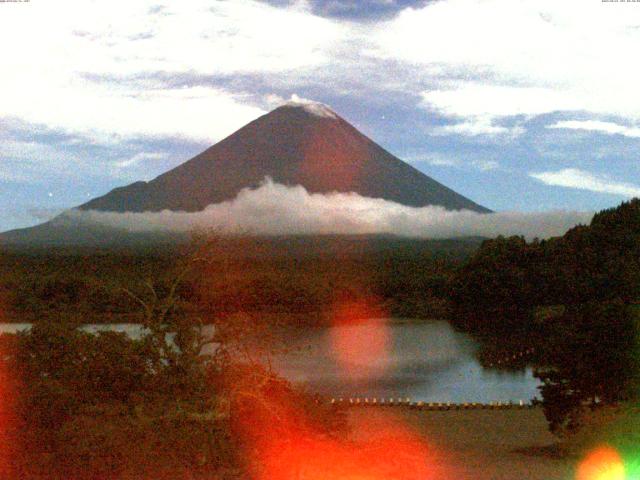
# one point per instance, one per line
(296, 144)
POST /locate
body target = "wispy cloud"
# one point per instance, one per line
(42, 214)
(486, 165)
(31, 162)
(609, 128)
(433, 158)
(105, 67)
(485, 104)
(94, 68)
(441, 160)
(279, 209)
(138, 166)
(140, 157)
(476, 127)
(502, 58)
(579, 179)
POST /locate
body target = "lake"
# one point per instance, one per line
(426, 361)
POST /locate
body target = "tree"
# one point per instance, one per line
(577, 294)
(494, 291)
(158, 406)
(591, 360)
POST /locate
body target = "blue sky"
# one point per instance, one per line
(518, 105)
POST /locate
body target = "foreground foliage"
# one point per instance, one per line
(107, 406)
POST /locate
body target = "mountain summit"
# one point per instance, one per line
(296, 144)
(299, 143)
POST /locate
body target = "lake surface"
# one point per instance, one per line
(427, 362)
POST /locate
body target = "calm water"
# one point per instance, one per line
(427, 361)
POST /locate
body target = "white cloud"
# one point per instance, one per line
(141, 166)
(440, 160)
(579, 179)
(41, 163)
(487, 102)
(88, 69)
(608, 128)
(73, 64)
(486, 165)
(278, 209)
(433, 158)
(23, 150)
(107, 113)
(139, 158)
(501, 58)
(475, 128)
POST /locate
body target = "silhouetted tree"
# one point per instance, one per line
(590, 360)
(495, 290)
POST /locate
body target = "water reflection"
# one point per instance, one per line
(427, 361)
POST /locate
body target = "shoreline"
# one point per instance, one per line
(126, 319)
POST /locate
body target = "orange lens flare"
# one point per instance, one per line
(391, 453)
(285, 437)
(6, 417)
(362, 344)
(331, 163)
(603, 463)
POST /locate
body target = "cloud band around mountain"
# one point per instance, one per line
(275, 209)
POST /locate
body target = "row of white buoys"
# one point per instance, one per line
(374, 401)
(512, 358)
(366, 401)
(471, 405)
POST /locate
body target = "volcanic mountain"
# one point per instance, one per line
(296, 144)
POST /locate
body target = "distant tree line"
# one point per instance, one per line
(409, 278)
